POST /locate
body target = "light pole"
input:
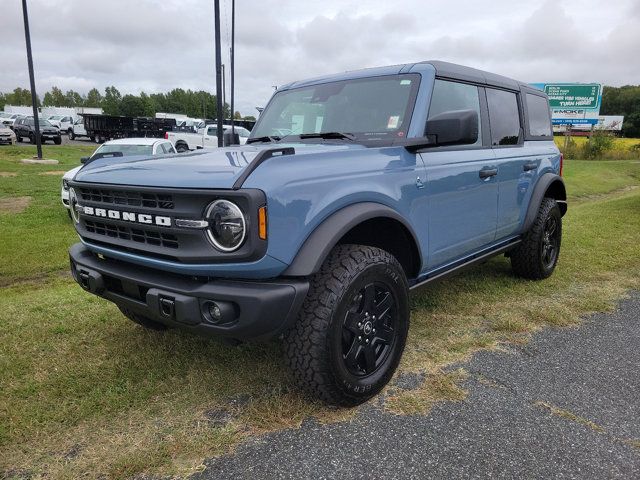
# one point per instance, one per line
(216, 8)
(34, 97)
(233, 38)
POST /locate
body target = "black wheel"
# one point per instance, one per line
(32, 138)
(142, 320)
(536, 257)
(72, 135)
(351, 331)
(181, 147)
(18, 138)
(96, 139)
(58, 141)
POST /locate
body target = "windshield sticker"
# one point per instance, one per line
(392, 124)
(405, 82)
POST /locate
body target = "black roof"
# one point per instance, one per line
(460, 72)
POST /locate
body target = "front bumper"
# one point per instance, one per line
(250, 309)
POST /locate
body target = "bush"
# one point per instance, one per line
(599, 143)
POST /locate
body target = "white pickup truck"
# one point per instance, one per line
(184, 141)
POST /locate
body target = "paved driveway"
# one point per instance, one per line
(567, 405)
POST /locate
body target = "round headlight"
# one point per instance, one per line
(73, 201)
(227, 227)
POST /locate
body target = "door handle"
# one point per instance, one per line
(529, 166)
(488, 172)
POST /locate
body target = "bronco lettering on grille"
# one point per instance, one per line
(127, 216)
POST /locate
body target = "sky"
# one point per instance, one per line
(155, 45)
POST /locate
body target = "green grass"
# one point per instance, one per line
(85, 392)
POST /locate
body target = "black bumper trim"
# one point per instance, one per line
(260, 309)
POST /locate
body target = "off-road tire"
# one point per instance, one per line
(142, 320)
(527, 259)
(313, 346)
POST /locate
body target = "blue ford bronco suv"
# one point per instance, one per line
(353, 190)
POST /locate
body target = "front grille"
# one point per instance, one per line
(135, 234)
(126, 197)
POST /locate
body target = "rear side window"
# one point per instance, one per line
(450, 96)
(539, 116)
(504, 117)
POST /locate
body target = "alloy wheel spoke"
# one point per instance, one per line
(369, 296)
(351, 321)
(369, 358)
(384, 334)
(383, 306)
(351, 357)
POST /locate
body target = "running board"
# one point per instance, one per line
(471, 261)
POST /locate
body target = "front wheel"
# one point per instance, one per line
(72, 135)
(537, 255)
(58, 141)
(32, 138)
(352, 329)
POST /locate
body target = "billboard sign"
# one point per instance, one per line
(573, 103)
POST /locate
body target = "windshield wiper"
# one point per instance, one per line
(329, 135)
(264, 139)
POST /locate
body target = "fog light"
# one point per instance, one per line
(214, 312)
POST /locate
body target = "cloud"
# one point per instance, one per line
(156, 45)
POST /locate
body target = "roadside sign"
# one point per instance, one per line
(573, 103)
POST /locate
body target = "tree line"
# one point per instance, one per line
(196, 104)
(615, 101)
(623, 101)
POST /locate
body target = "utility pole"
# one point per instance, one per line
(216, 7)
(224, 89)
(233, 39)
(34, 97)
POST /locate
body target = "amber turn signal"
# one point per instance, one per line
(262, 223)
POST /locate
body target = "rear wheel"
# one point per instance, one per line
(352, 328)
(142, 320)
(181, 147)
(536, 257)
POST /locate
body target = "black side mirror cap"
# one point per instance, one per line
(84, 159)
(455, 127)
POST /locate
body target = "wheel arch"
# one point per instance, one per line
(357, 224)
(549, 185)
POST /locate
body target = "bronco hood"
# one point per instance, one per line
(208, 168)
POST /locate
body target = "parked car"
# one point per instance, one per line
(61, 122)
(206, 138)
(7, 137)
(8, 119)
(124, 147)
(25, 128)
(389, 179)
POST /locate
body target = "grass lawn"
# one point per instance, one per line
(85, 392)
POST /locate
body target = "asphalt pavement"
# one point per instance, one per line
(566, 405)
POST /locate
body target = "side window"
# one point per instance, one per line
(211, 131)
(449, 96)
(539, 116)
(504, 117)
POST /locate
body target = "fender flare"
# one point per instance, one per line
(546, 181)
(321, 241)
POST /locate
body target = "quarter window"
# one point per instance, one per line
(539, 116)
(450, 96)
(504, 117)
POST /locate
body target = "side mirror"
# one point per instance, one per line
(456, 127)
(84, 159)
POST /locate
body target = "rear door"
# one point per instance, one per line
(462, 187)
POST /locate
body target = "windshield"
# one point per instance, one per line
(55, 117)
(44, 123)
(371, 108)
(125, 149)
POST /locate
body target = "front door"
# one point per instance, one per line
(461, 183)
